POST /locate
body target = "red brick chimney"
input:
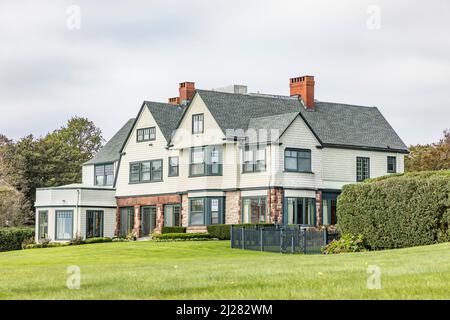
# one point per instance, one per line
(174, 100)
(304, 87)
(187, 90)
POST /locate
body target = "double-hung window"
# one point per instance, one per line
(104, 174)
(206, 161)
(197, 123)
(146, 134)
(173, 166)
(197, 211)
(254, 158)
(362, 168)
(146, 171)
(297, 160)
(391, 164)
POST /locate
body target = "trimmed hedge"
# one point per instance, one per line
(181, 236)
(97, 240)
(12, 238)
(397, 211)
(222, 231)
(173, 230)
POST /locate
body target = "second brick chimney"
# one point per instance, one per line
(303, 86)
(187, 90)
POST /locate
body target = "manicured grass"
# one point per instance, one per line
(211, 270)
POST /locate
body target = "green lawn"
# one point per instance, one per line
(211, 270)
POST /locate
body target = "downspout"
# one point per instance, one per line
(78, 213)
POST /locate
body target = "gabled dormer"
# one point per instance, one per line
(101, 170)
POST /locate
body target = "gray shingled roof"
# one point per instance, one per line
(349, 125)
(166, 116)
(111, 150)
(333, 124)
(279, 123)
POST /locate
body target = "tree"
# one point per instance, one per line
(15, 209)
(52, 160)
(435, 156)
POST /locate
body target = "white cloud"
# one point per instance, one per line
(129, 51)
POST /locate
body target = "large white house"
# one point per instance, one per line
(223, 156)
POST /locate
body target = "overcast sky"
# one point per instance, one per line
(391, 54)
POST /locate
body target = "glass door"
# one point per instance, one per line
(148, 220)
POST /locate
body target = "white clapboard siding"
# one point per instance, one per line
(339, 165)
(298, 135)
(143, 151)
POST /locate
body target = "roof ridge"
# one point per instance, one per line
(345, 104)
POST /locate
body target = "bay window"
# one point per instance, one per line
(206, 211)
(64, 224)
(254, 158)
(206, 161)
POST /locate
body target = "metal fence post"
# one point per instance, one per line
(261, 239)
(243, 238)
(325, 237)
(281, 240)
(304, 241)
(231, 237)
(292, 244)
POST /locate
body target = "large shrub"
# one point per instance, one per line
(347, 243)
(181, 236)
(222, 231)
(12, 238)
(397, 211)
(173, 230)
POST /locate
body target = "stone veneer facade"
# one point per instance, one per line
(138, 202)
(233, 207)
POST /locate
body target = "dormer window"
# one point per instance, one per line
(104, 174)
(146, 134)
(197, 123)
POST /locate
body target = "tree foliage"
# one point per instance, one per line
(435, 156)
(52, 160)
(398, 211)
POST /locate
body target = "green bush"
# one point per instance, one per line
(46, 244)
(397, 211)
(97, 240)
(222, 231)
(347, 243)
(12, 238)
(173, 230)
(181, 236)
